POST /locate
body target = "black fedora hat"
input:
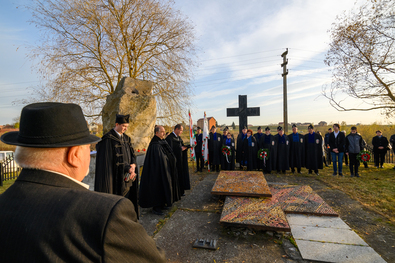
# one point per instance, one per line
(51, 125)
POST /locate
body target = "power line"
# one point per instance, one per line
(242, 55)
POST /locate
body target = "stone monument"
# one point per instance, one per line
(133, 97)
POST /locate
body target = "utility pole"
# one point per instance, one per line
(285, 73)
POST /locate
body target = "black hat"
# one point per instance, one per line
(294, 125)
(198, 128)
(244, 127)
(267, 128)
(120, 119)
(310, 126)
(51, 125)
(279, 128)
(259, 128)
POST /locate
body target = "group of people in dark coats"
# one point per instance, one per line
(282, 151)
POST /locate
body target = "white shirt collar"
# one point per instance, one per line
(119, 135)
(72, 179)
(175, 134)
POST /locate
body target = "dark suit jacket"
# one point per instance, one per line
(45, 217)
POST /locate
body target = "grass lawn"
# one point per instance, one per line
(375, 188)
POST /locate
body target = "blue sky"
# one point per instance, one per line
(239, 47)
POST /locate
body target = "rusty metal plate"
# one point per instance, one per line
(241, 183)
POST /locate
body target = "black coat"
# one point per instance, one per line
(258, 138)
(314, 152)
(377, 142)
(113, 159)
(339, 142)
(176, 144)
(229, 163)
(46, 217)
(270, 163)
(296, 151)
(239, 148)
(250, 153)
(199, 144)
(159, 179)
(282, 162)
(214, 149)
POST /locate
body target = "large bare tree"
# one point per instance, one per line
(362, 57)
(89, 45)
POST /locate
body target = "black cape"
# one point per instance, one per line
(258, 137)
(270, 163)
(229, 163)
(250, 153)
(214, 149)
(181, 160)
(239, 148)
(313, 152)
(159, 179)
(282, 162)
(296, 152)
(113, 159)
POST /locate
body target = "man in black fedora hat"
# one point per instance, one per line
(48, 215)
(116, 163)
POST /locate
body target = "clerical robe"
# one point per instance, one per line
(239, 147)
(113, 159)
(282, 162)
(258, 136)
(296, 151)
(159, 180)
(313, 149)
(228, 163)
(268, 142)
(250, 152)
(176, 144)
(214, 148)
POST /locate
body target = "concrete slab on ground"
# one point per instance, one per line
(329, 239)
(184, 227)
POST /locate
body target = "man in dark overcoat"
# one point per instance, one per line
(116, 163)
(313, 146)
(214, 149)
(159, 186)
(296, 150)
(380, 147)
(282, 161)
(48, 214)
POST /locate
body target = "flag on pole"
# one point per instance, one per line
(192, 139)
(205, 140)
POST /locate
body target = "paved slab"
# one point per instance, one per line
(330, 252)
(241, 183)
(184, 227)
(329, 239)
(258, 213)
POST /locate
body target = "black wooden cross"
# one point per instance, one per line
(243, 112)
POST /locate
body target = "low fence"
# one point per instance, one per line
(9, 169)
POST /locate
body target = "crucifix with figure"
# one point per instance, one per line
(242, 112)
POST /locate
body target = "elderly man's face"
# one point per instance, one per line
(267, 132)
(244, 131)
(161, 133)
(281, 132)
(121, 128)
(310, 130)
(178, 132)
(294, 129)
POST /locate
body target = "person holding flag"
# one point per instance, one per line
(205, 142)
(198, 150)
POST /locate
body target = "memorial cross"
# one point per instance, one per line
(243, 112)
